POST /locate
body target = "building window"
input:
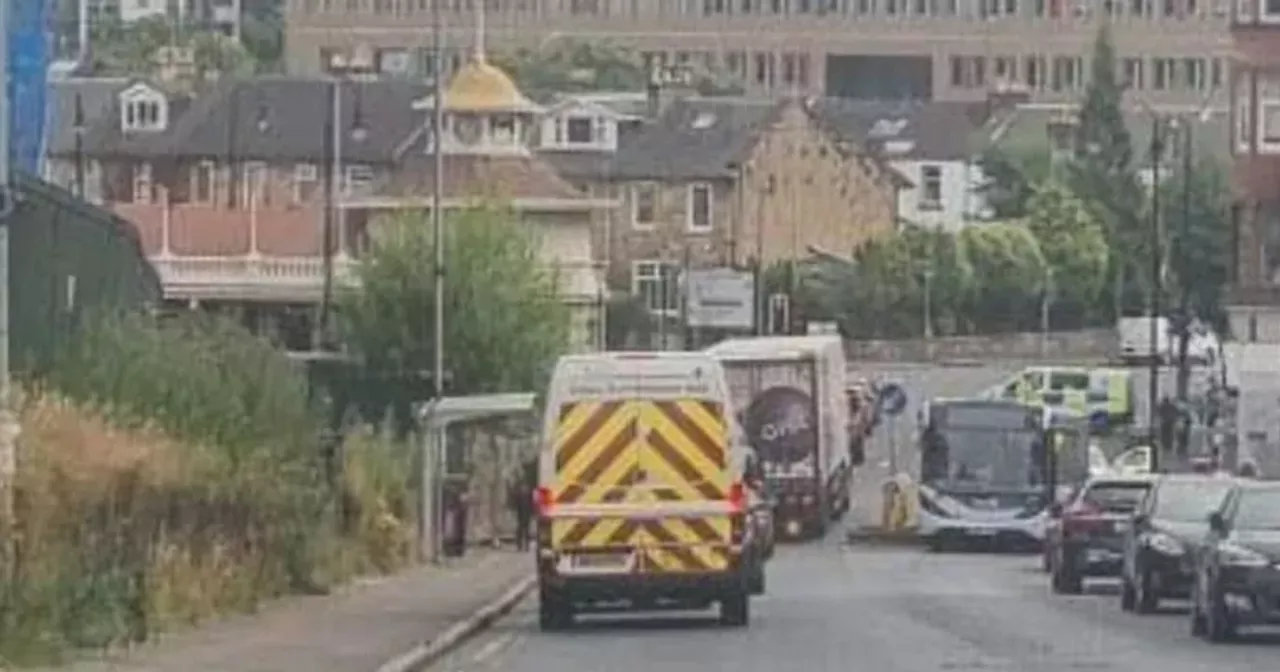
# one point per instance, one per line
(930, 187)
(700, 208)
(644, 205)
(657, 283)
(1133, 74)
(202, 182)
(359, 181)
(1164, 68)
(1270, 11)
(143, 188)
(580, 130)
(143, 115)
(968, 72)
(1269, 124)
(255, 184)
(305, 176)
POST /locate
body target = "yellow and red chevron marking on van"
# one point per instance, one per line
(659, 451)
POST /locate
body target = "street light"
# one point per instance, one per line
(339, 68)
(77, 125)
(1153, 385)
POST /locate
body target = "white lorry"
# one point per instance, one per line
(789, 395)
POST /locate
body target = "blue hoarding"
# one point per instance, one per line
(28, 68)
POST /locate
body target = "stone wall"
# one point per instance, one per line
(1091, 344)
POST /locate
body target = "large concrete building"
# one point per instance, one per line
(1170, 51)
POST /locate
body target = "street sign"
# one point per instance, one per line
(892, 399)
(721, 298)
(1099, 421)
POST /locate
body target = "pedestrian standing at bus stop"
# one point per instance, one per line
(520, 500)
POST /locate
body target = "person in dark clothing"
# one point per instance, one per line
(520, 500)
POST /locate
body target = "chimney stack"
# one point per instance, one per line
(666, 85)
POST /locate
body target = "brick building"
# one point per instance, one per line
(1255, 145)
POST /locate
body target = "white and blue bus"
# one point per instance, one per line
(985, 472)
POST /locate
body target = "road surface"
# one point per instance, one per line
(849, 608)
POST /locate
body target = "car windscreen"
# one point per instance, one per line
(1258, 510)
(1116, 496)
(1189, 501)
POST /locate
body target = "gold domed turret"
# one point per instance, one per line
(482, 87)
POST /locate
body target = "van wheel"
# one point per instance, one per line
(554, 611)
(735, 609)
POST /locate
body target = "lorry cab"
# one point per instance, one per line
(642, 490)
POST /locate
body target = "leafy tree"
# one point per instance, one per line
(1103, 173)
(262, 33)
(572, 66)
(504, 322)
(130, 49)
(1010, 271)
(1074, 245)
(1011, 175)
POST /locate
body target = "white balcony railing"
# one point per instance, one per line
(247, 277)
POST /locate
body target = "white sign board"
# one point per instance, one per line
(721, 298)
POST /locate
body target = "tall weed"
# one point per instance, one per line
(170, 472)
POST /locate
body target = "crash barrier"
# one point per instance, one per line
(899, 510)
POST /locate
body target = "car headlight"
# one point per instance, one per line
(1165, 544)
(1239, 556)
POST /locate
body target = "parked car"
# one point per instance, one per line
(1237, 575)
(1158, 548)
(1086, 537)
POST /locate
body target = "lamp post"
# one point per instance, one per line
(1153, 384)
(77, 123)
(334, 185)
(437, 198)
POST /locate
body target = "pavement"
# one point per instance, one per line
(364, 627)
(839, 608)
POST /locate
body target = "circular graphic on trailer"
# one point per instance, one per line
(780, 425)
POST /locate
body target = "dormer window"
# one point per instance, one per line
(143, 109)
(580, 130)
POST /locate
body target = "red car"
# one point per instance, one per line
(1085, 538)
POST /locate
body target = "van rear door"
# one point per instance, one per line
(641, 485)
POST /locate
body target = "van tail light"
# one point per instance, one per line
(738, 497)
(543, 500)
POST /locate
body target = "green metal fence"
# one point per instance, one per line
(68, 259)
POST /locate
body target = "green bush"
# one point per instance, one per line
(174, 476)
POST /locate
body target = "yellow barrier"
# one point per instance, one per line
(899, 509)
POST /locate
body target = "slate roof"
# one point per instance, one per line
(508, 177)
(925, 130)
(579, 164)
(97, 100)
(695, 138)
(224, 120)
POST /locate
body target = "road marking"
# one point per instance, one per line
(492, 648)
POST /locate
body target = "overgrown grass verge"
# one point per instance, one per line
(171, 473)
